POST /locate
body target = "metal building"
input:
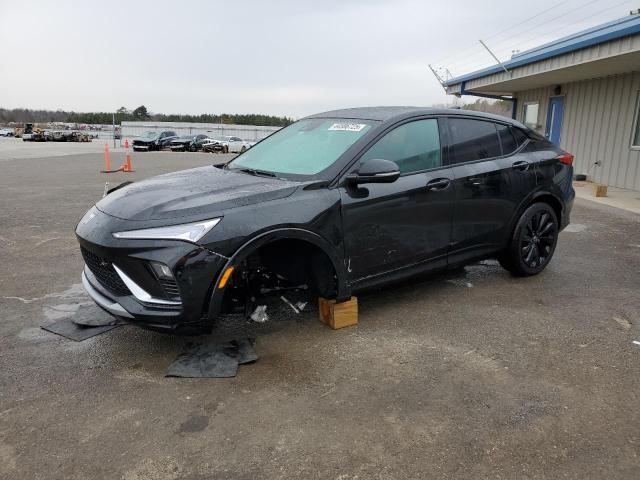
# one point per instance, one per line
(582, 92)
(246, 132)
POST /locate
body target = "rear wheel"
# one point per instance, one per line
(243, 149)
(533, 242)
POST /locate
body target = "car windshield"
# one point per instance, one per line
(306, 147)
(150, 134)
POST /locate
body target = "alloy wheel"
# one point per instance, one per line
(537, 240)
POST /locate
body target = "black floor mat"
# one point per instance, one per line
(91, 315)
(68, 329)
(215, 360)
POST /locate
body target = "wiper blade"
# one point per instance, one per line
(257, 173)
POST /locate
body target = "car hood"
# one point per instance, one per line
(145, 139)
(197, 193)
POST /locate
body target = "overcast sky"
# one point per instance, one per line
(290, 57)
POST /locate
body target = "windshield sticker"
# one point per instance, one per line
(348, 127)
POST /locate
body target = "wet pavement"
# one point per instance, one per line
(472, 374)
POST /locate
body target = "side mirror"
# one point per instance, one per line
(376, 170)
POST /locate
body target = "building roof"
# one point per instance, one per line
(613, 30)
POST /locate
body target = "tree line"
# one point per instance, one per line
(25, 115)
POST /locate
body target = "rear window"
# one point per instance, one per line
(521, 137)
(508, 141)
(473, 140)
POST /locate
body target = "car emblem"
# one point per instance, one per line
(103, 263)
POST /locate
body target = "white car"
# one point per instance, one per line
(6, 132)
(227, 144)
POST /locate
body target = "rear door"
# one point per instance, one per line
(394, 225)
(484, 196)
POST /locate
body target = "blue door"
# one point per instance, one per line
(554, 119)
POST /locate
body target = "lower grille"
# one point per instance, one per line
(105, 273)
(170, 289)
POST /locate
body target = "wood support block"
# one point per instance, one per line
(338, 315)
(599, 190)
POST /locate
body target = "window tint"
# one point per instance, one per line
(413, 146)
(508, 141)
(521, 137)
(473, 140)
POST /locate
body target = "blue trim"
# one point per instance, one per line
(623, 27)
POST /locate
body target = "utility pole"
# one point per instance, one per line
(113, 124)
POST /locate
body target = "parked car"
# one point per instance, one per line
(226, 144)
(340, 201)
(188, 143)
(153, 140)
(6, 132)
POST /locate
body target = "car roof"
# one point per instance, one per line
(392, 114)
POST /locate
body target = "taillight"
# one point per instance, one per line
(565, 158)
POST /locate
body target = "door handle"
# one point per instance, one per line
(521, 165)
(438, 184)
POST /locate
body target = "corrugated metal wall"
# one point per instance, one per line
(597, 126)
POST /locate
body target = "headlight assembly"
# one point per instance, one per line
(190, 232)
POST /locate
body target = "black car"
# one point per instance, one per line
(340, 201)
(188, 143)
(153, 140)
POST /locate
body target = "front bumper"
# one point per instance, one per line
(143, 300)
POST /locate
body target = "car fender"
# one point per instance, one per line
(526, 201)
(344, 293)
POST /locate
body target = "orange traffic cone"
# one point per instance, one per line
(127, 167)
(107, 158)
(126, 143)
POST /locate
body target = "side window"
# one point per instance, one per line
(508, 141)
(473, 140)
(413, 146)
(521, 137)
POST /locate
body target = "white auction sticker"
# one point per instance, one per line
(348, 127)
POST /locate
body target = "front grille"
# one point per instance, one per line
(170, 289)
(105, 273)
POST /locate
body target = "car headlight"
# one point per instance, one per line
(190, 232)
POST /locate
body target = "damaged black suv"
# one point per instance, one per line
(340, 201)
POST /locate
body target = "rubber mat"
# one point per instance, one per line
(68, 329)
(214, 360)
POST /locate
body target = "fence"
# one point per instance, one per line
(246, 132)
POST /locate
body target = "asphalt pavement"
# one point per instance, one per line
(471, 374)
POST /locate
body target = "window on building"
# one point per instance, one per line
(636, 128)
(473, 140)
(413, 146)
(530, 117)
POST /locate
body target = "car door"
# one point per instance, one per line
(485, 196)
(388, 226)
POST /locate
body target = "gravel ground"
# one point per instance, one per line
(473, 374)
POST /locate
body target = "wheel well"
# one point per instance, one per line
(289, 261)
(553, 202)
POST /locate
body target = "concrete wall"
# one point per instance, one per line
(246, 132)
(599, 118)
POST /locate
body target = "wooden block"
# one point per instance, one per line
(599, 190)
(338, 315)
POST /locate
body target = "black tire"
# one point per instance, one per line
(243, 149)
(533, 241)
(225, 149)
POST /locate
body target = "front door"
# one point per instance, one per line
(555, 115)
(393, 225)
